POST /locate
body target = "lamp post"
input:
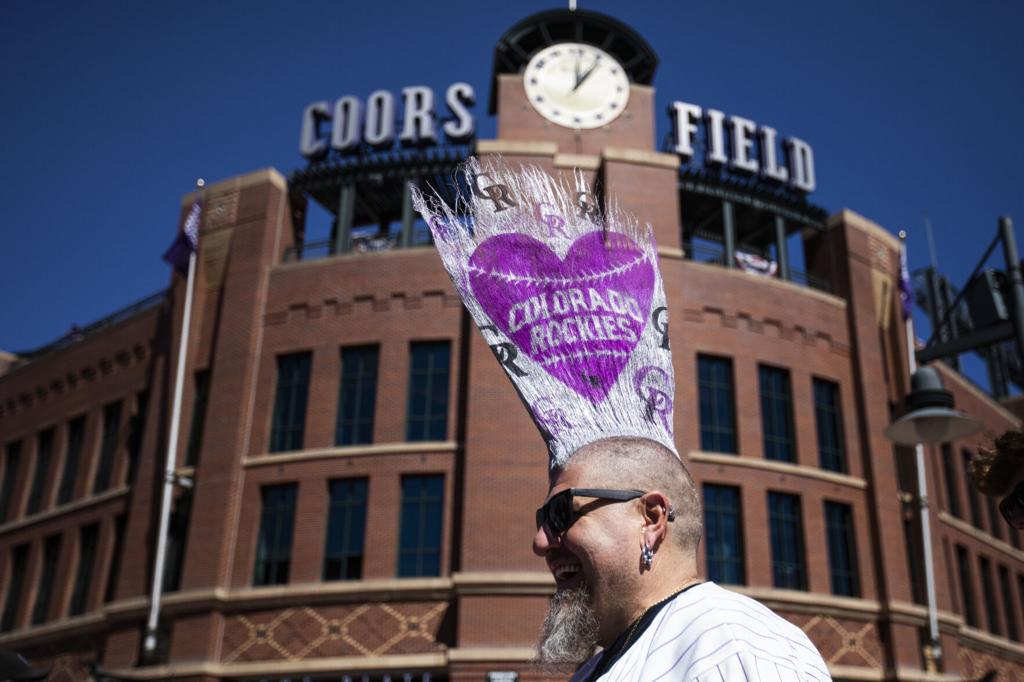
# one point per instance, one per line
(930, 419)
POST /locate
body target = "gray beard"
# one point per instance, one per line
(569, 633)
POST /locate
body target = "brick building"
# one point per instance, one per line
(364, 477)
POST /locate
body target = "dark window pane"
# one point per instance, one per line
(970, 613)
(44, 455)
(1012, 629)
(199, 402)
(83, 576)
(952, 480)
(177, 537)
(357, 395)
(12, 464)
(723, 526)
(777, 414)
(842, 549)
(15, 587)
(115, 559)
(972, 493)
(137, 428)
(828, 417)
(346, 529)
(274, 546)
(789, 568)
(716, 403)
(427, 414)
(419, 552)
(289, 421)
(76, 438)
(988, 590)
(51, 555)
(108, 448)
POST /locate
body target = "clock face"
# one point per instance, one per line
(576, 85)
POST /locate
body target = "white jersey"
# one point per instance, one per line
(709, 634)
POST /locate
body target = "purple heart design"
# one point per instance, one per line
(579, 318)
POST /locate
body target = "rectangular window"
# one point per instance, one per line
(952, 487)
(277, 524)
(428, 391)
(51, 555)
(828, 418)
(842, 549)
(108, 449)
(973, 496)
(419, 552)
(970, 614)
(346, 529)
(15, 586)
(988, 591)
(776, 414)
(177, 537)
(137, 428)
(789, 568)
(289, 422)
(44, 453)
(995, 519)
(115, 560)
(1012, 630)
(357, 395)
(12, 464)
(723, 530)
(83, 576)
(76, 438)
(717, 404)
(195, 432)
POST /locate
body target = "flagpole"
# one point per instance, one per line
(169, 465)
(933, 653)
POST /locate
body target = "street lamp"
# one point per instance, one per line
(931, 419)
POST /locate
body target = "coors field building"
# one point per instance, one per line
(355, 478)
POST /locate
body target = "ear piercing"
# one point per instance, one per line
(647, 556)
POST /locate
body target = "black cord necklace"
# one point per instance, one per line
(613, 653)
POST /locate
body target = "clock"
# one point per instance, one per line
(576, 85)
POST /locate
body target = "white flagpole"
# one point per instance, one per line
(935, 646)
(172, 447)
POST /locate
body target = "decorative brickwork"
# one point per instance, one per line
(974, 664)
(363, 630)
(844, 642)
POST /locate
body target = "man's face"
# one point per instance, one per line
(599, 551)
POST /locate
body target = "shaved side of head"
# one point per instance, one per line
(640, 464)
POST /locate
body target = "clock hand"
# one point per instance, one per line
(579, 80)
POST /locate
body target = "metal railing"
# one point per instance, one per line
(712, 256)
(76, 333)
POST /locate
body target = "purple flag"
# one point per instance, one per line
(906, 292)
(187, 241)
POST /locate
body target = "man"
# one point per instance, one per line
(573, 304)
(654, 618)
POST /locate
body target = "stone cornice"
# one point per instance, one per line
(777, 467)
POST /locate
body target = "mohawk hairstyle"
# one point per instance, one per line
(568, 296)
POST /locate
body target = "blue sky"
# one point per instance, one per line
(112, 109)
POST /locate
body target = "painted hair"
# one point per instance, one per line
(568, 296)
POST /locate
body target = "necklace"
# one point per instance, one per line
(636, 623)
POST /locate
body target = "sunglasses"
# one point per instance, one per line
(557, 513)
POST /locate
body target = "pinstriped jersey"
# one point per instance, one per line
(709, 634)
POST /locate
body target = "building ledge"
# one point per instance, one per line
(777, 467)
(981, 536)
(421, 447)
(70, 507)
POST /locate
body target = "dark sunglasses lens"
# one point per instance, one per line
(560, 512)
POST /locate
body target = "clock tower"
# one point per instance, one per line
(576, 78)
(572, 91)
